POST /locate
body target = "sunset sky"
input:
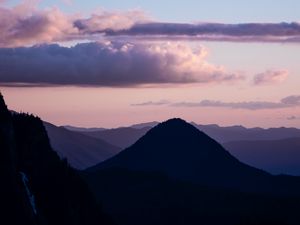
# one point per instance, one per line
(115, 63)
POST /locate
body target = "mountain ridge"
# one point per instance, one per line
(81, 151)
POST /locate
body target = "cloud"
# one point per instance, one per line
(244, 32)
(152, 103)
(291, 100)
(270, 77)
(109, 64)
(287, 102)
(26, 24)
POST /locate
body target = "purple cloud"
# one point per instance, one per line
(270, 77)
(291, 100)
(109, 64)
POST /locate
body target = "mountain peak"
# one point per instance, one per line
(175, 126)
(179, 150)
(175, 122)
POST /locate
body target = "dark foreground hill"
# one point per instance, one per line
(37, 188)
(135, 198)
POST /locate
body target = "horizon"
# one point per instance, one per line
(114, 64)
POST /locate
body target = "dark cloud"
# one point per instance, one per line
(109, 64)
(273, 32)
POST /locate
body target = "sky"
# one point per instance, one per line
(116, 63)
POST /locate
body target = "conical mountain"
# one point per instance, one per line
(179, 150)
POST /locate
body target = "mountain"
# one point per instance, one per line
(37, 188)
(177, 175)
(125, 137)
(80, 150)
(182, 152)
(276, 156)
(121, 137)
(238, 133)
(82, 129)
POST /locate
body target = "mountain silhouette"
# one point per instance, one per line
(37, 188)
(80, 150)
(181, 151)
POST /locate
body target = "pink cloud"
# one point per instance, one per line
(26, 24)
(270, 77)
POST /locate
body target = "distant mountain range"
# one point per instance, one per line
(220, 134)
(268, 149)
(122, 137)
(80, 150)
(237, 133)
